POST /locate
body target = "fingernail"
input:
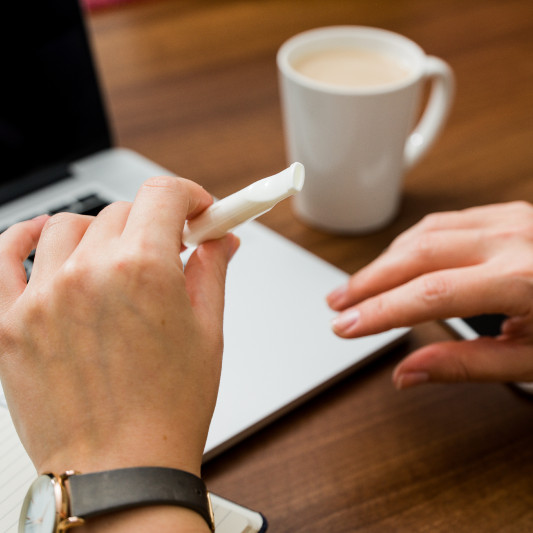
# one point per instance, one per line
(337, 297)
(410, 379)
(346, 322)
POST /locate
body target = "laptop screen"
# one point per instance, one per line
(51, 110)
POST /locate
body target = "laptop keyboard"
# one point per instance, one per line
(90, 204)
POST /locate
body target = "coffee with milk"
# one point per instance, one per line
(351, 67)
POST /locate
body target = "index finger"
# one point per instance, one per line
(437, 295)
(396, 266)
(160, 209)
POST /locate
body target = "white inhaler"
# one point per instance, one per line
(246, 204)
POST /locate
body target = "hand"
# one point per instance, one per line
(111, 354)
(476, 261)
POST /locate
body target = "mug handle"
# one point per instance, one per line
(435, 114)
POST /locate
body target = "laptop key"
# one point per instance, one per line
(92, 204)
(94, 210)
(61, 209)
(28, 266)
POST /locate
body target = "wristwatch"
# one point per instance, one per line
(52, 507)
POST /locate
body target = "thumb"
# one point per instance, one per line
(482, 360)
(205, 275)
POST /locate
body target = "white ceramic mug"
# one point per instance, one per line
(357, 142)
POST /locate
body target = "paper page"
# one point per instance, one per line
(2, 397)
(16, 473)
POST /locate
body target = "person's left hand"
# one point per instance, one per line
(111, 354)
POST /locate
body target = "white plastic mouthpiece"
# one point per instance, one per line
(246, 204)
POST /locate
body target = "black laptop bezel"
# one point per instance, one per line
(32, 24)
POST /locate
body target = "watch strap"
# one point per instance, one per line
(105, 492)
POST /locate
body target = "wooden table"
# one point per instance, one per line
(193, 86)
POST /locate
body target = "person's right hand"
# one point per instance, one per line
(465, 263)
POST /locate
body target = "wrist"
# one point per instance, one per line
(97, 457)
(118, 500)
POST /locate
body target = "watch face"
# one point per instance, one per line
(39, 510)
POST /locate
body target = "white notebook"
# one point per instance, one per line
(16, 474)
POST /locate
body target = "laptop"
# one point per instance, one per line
(57, 155)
